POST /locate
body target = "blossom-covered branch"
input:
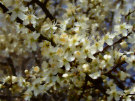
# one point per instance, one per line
(80, 50)
(41, 37)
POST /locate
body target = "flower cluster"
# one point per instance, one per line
(81, 49)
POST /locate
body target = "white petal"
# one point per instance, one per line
(22, 16)
(34, 46)
(95, 75)
(93, 50)
(71, 58)
(26, 22)
(100, 48)
(24, 8)
(124, 33)
(109, 42)
(67, 66)
(13, 16)
(60, 64)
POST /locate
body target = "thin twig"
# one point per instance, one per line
(105, 48)
(10, 62)
(97, 84)
(129, 13)
(3, 96)
(118, 83)
(45, 2)
(45, 10)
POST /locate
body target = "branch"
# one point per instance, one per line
(126, 95)
(115, 66)
(45, 2)
(129, 13)
(42, 38)
(105, 48)
(45, 10)
(37, 58)
(97, 84)
(3, 96)
(84, 87)
(3, 63)
(118, 83)
(130, 94)
(10, 62)
(3, 8)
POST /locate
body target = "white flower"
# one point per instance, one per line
(107, 57)
(59, 51)
(87, 52)
(48, 28)
(123, 28)
(86, 67)
(36, 87)
(64, 24)
(81, 27)
(31, 40)
(123, 75)
(74, 41)
(97, 46)
(36, 69)
(113, 93)
(65, 61)
(80, 55)
(108, 38)
(30, 19)
(131, 61)
(18, 11)
(63, 39)
(14, 79)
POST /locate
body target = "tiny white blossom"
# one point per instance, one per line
(18, 11)
(95, 75)
(65, 75)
